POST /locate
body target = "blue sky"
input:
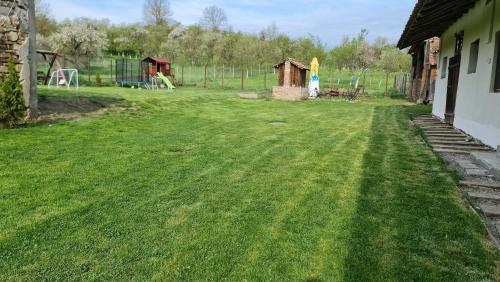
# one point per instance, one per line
(328, 19)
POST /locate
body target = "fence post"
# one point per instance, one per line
(222, 76)
(89, 70)
(234, 74)
(242, 78)
(386, 84)
(111, 73)
(205, 80)
(265, 78)
(182, 75)
(404, 85)
(364, 82)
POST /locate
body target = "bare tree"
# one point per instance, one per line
(214, 18)
(42, 8)
(157, 12)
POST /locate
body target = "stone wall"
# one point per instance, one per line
(290, 93)
(17, 40)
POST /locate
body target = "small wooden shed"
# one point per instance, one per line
(291, 81)
(292, 73)
(158, 65)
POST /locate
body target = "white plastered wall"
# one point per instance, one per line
(477, 108)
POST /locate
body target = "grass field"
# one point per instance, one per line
(199, 185)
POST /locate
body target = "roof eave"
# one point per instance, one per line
(425, 12)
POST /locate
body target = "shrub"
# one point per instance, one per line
(98, 80)
(12, 108)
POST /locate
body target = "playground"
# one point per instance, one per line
(201, 184)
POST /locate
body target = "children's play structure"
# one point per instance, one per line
(64, 78)
(291, 82)
(150, 73)
(50, 59)
(61, 77)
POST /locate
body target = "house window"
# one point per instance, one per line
(474, 55)
(496, 65)
(459, 43)
(444, 67)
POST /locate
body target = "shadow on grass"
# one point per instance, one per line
(410, 222)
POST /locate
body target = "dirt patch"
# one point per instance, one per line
(54, 108)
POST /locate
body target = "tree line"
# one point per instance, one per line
(211, 41)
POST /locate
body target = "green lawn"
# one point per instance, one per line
(198, 185)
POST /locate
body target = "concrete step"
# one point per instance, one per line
(438, 128)
(441, 131)
(484, 196)
(429, 122)
(426, 118)
(449, 151)
(458, 143)
(490, 210)
(447, 139)
(489, 160)
(468, 148)
(481, 184)
(425, 125)
(453, 134)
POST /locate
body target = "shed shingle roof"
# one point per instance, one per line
(293, 62)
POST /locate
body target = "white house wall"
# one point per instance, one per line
(477, 108)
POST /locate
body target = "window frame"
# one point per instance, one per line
(474, 57)
(444, 67)
(495, 71)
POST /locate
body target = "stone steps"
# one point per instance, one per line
(458, 149)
